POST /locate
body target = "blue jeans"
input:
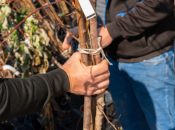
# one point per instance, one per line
(144, 93)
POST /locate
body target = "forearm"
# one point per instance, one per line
(19, 97)
(144, 16)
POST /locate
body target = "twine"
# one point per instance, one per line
(95, 52)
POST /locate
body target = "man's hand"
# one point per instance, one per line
(67, 40)
(105, 37)
(102, 32)
(85, 80)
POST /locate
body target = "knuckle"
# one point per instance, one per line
(107, 82)
(76, 53)
(106, 68)
(89, 94)
(103, 90)
(108, 74)
(63, 46)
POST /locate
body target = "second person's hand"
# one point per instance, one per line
(102, 32)
(67, 40)
(105, 37)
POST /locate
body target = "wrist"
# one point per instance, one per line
(65, 81)
(107, 34)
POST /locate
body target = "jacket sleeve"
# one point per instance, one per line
(144, 16)
(19, 97)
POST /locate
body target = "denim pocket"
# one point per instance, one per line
(155, 60)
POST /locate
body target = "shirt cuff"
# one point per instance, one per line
(60, 81)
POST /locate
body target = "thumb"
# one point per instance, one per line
(66, 44)
(67, 41)
(76, 56)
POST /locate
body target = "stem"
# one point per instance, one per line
(82, 41)
(21, 31)
(7, 2)
(101, 106)
(29, 16)
(49, 123)
(99, 111)
(100, 97)
(70, 14)
(53, 11)
(94, 36)
(71, 6)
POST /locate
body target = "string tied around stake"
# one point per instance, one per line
(95, 52)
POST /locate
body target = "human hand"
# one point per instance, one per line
(102, 32)
(85, 80)
(105, 36)
(67, 40)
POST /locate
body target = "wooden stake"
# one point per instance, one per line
(82, 42)
(100, 97)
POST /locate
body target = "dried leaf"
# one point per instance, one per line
(37, 61)
(27, 51)
(45, 55)
(5, 24)
(2, 1)
(6, 10)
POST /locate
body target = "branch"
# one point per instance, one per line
(29, 16)
(98, 104)
(53, 11)
(70, 14)
(73, 6)
(85, 60)
(49, 21)
(7, 2)
(21, 31)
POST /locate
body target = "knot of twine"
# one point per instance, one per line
(95, 52)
